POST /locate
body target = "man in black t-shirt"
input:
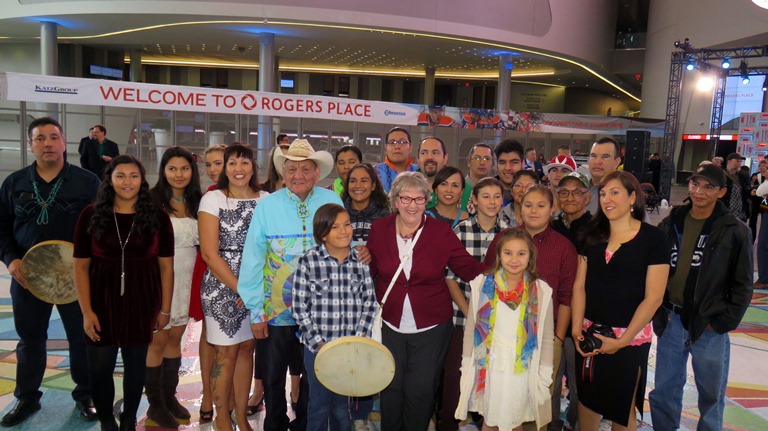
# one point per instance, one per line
(574, 195)
(708, 292)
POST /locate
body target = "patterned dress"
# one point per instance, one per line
(226, 323)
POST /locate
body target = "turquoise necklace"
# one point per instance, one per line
(42, 219)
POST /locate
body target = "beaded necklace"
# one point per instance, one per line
(42, 219)
(302, 210)
(122, 250)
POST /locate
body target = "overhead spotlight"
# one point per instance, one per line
(765, 83)
(705, 83)
(685, 45)
(691, 64)
(726, 64)
(743, 72)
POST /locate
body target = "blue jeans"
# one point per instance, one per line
(710, 354)
(762, 249)
(327, 410)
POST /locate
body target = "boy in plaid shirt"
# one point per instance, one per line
(333, 297)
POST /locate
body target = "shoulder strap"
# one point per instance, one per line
(403, 259)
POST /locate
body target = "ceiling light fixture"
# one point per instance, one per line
(726, 64)
(743, 72)
(691, 64)
(765, 83)
(761, 3)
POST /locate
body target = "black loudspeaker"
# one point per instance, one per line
(636, 154)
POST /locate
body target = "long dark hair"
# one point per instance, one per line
(599, 228)
(378, 195)
(162, 191)
(145, 220)
(444, 174)
(273, 177)
(238, 150)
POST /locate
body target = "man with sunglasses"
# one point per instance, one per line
(708, 292)
(397, 145)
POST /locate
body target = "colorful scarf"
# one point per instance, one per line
(525, 295)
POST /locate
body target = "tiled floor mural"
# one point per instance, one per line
(746, 406)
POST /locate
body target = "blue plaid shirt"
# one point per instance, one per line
(332, 299)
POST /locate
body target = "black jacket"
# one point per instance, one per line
(722, 289)
(90, 159)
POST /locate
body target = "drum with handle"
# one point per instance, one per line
(49, 271)
(354, 366)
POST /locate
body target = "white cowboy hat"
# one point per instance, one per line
(301, 150)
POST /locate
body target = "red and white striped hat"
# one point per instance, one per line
(561, 162)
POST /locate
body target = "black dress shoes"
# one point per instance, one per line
(20, 412)
(86, 409)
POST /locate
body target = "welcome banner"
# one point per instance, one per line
(80, 91)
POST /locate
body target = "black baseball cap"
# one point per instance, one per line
(711, 173)
(735, 156)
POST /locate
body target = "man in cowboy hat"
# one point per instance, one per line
(280, 232)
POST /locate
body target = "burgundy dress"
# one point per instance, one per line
(128, 319)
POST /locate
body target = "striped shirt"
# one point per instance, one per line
(332, 299)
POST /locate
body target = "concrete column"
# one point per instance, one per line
(276, 73)
(49, 58)
(429, 86)
(505, 78)
(136, 66)
(302, 83)
(266, 83)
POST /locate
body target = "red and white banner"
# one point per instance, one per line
(80, 91)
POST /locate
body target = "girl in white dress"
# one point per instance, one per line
(178, 192)
(506, 366)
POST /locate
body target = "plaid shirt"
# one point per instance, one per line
(332, 299)
(476, 240)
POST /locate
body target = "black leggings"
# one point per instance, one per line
(102, 362)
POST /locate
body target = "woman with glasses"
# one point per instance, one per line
(521, 182)
(418, 312)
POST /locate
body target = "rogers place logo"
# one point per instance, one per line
(55, 89)
(387, 113)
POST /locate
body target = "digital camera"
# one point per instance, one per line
(591, 343)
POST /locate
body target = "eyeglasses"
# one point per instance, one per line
(577, 194)
(483, 158)
(406, 200)
(695, 186)
(523, 186)
(398, 142)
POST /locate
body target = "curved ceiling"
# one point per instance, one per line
(303, 46)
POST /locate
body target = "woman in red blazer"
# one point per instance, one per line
(418, 313)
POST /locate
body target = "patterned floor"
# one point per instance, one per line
(746, 405)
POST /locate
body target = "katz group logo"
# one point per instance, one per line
(55, 90)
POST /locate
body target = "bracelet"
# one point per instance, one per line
(165, 314)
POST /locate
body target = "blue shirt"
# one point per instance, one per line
(387, 175)
(276, 238)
